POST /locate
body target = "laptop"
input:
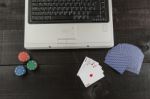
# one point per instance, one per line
(68, 24)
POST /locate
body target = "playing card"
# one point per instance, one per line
(87, 61)
(117, 62)
(125, 55)
(115, 51)
(136, 57)
(90, 74)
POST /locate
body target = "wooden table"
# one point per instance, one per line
(56, 78)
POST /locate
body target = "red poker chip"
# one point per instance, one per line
(23, 56)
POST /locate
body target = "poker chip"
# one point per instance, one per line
(32, 65)
(23, 56)
(20, 70)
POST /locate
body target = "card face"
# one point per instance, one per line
(87, 61)
(90, 72)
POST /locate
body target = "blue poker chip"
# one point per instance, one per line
(20, 70)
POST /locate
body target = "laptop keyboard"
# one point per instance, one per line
(68, 11)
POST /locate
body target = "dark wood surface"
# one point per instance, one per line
(56, 78)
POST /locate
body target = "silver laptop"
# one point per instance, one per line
(68, 24)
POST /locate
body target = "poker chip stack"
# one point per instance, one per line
(25, 58)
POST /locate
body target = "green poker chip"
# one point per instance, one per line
(32, 65)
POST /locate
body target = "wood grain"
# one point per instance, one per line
(56, 78)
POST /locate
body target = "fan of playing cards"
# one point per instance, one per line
(125, 57)
(90, 72)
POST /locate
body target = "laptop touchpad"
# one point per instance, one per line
(68, 32)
